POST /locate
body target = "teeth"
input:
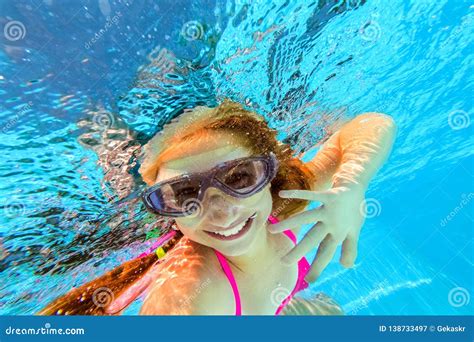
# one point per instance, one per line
(232, 231)
(236, 229)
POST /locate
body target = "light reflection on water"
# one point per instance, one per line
(74, 118)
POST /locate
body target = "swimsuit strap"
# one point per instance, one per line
(303, 268)
(303, 264)
(228, 272)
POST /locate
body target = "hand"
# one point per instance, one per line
(338, 220)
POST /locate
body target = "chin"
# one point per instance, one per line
(234, 249)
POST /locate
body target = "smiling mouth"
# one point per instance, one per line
(235, 232)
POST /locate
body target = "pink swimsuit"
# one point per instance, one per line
(303, 268)
(301, 284)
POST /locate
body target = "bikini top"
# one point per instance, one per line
(301, 284)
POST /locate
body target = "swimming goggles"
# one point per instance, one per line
(182, 195)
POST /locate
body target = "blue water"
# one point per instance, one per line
(83, 85)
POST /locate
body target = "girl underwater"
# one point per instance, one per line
(236, 200)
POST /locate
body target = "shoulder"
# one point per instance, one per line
(374, 116)
(319, 304)
(378, 120)
(189, 282)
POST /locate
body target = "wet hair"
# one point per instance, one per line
(251, 130)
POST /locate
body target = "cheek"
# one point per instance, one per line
(192, 227)
(261, 202)
(187, 226)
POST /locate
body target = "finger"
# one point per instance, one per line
(349, 251)
(325, 253)
(311, 240)
(320, 196)
(305, 217)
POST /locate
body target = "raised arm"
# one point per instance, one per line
(343, 168)
(354, 154)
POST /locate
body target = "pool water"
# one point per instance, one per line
(83, 85)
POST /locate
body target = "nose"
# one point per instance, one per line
(221, 210)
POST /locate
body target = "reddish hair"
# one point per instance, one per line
(253, 132)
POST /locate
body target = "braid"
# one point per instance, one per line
(230, 117)
(94, 297)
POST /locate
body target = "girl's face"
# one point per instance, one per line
(223, 222)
